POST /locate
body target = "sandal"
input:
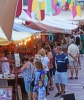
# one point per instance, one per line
(57, 94)
(76, 77)
(48, 93)
(70, 78)
(51, 89)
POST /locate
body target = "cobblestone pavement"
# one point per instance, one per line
(73, 86)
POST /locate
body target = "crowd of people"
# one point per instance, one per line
(51, 62)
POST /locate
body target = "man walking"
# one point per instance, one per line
(61, 72)
(73, 54)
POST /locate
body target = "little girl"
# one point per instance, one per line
(41, 91)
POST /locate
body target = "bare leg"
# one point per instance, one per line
(34, 96)
(76, 71)
(51, 83)
(62, 88)
(29, 95)
(71, 71)
(58, 87)
(47, 89)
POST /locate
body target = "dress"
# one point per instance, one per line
(41, 93)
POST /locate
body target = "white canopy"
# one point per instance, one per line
(59, 24)
(16, 35)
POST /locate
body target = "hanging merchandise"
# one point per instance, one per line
(50, 37)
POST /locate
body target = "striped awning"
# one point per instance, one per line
(42, 27)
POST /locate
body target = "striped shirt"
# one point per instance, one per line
(62, 61)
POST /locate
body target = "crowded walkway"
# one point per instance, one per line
(73, 86)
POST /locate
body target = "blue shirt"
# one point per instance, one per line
(41, 93)
(62, 61)
(37, 75)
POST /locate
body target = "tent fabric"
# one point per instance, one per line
(22, 28)
(7, 14)
(16, 35)
(59, 25)
(46, 28)
(3, 41)
(49, 24)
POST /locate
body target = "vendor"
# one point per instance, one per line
(5, 67)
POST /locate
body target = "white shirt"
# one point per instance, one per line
(77, 35)
(45, 60)
(5, 66)
(73, 50)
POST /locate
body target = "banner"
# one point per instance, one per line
(78, 10)
(74, 13)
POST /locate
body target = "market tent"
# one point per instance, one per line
(3, 41)
(59, 24)
(16, 35)
(53, 24)
(46, 28)
(22, 28)
(7, 13)
(19, 32)
(62, 20)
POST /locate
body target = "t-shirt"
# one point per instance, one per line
(45, 61)
(62, 61)
(41, 93)
(37, 76)
(73, 50)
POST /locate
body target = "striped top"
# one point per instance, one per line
(62, 61)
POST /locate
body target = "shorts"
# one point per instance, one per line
(73, 63)
(35, 88)
(42, 99)
(51, 72)
(48, 74)
(27, 86)
(61, 77)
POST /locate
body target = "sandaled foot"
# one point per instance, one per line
(76, 77)
(57, 94)
(70, 78)
(48, 93)
(51, 89)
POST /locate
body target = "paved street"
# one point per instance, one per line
(73, 86)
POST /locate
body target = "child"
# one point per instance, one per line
(41, 91)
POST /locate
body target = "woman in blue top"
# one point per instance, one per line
(39, 74)
(27, 76)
